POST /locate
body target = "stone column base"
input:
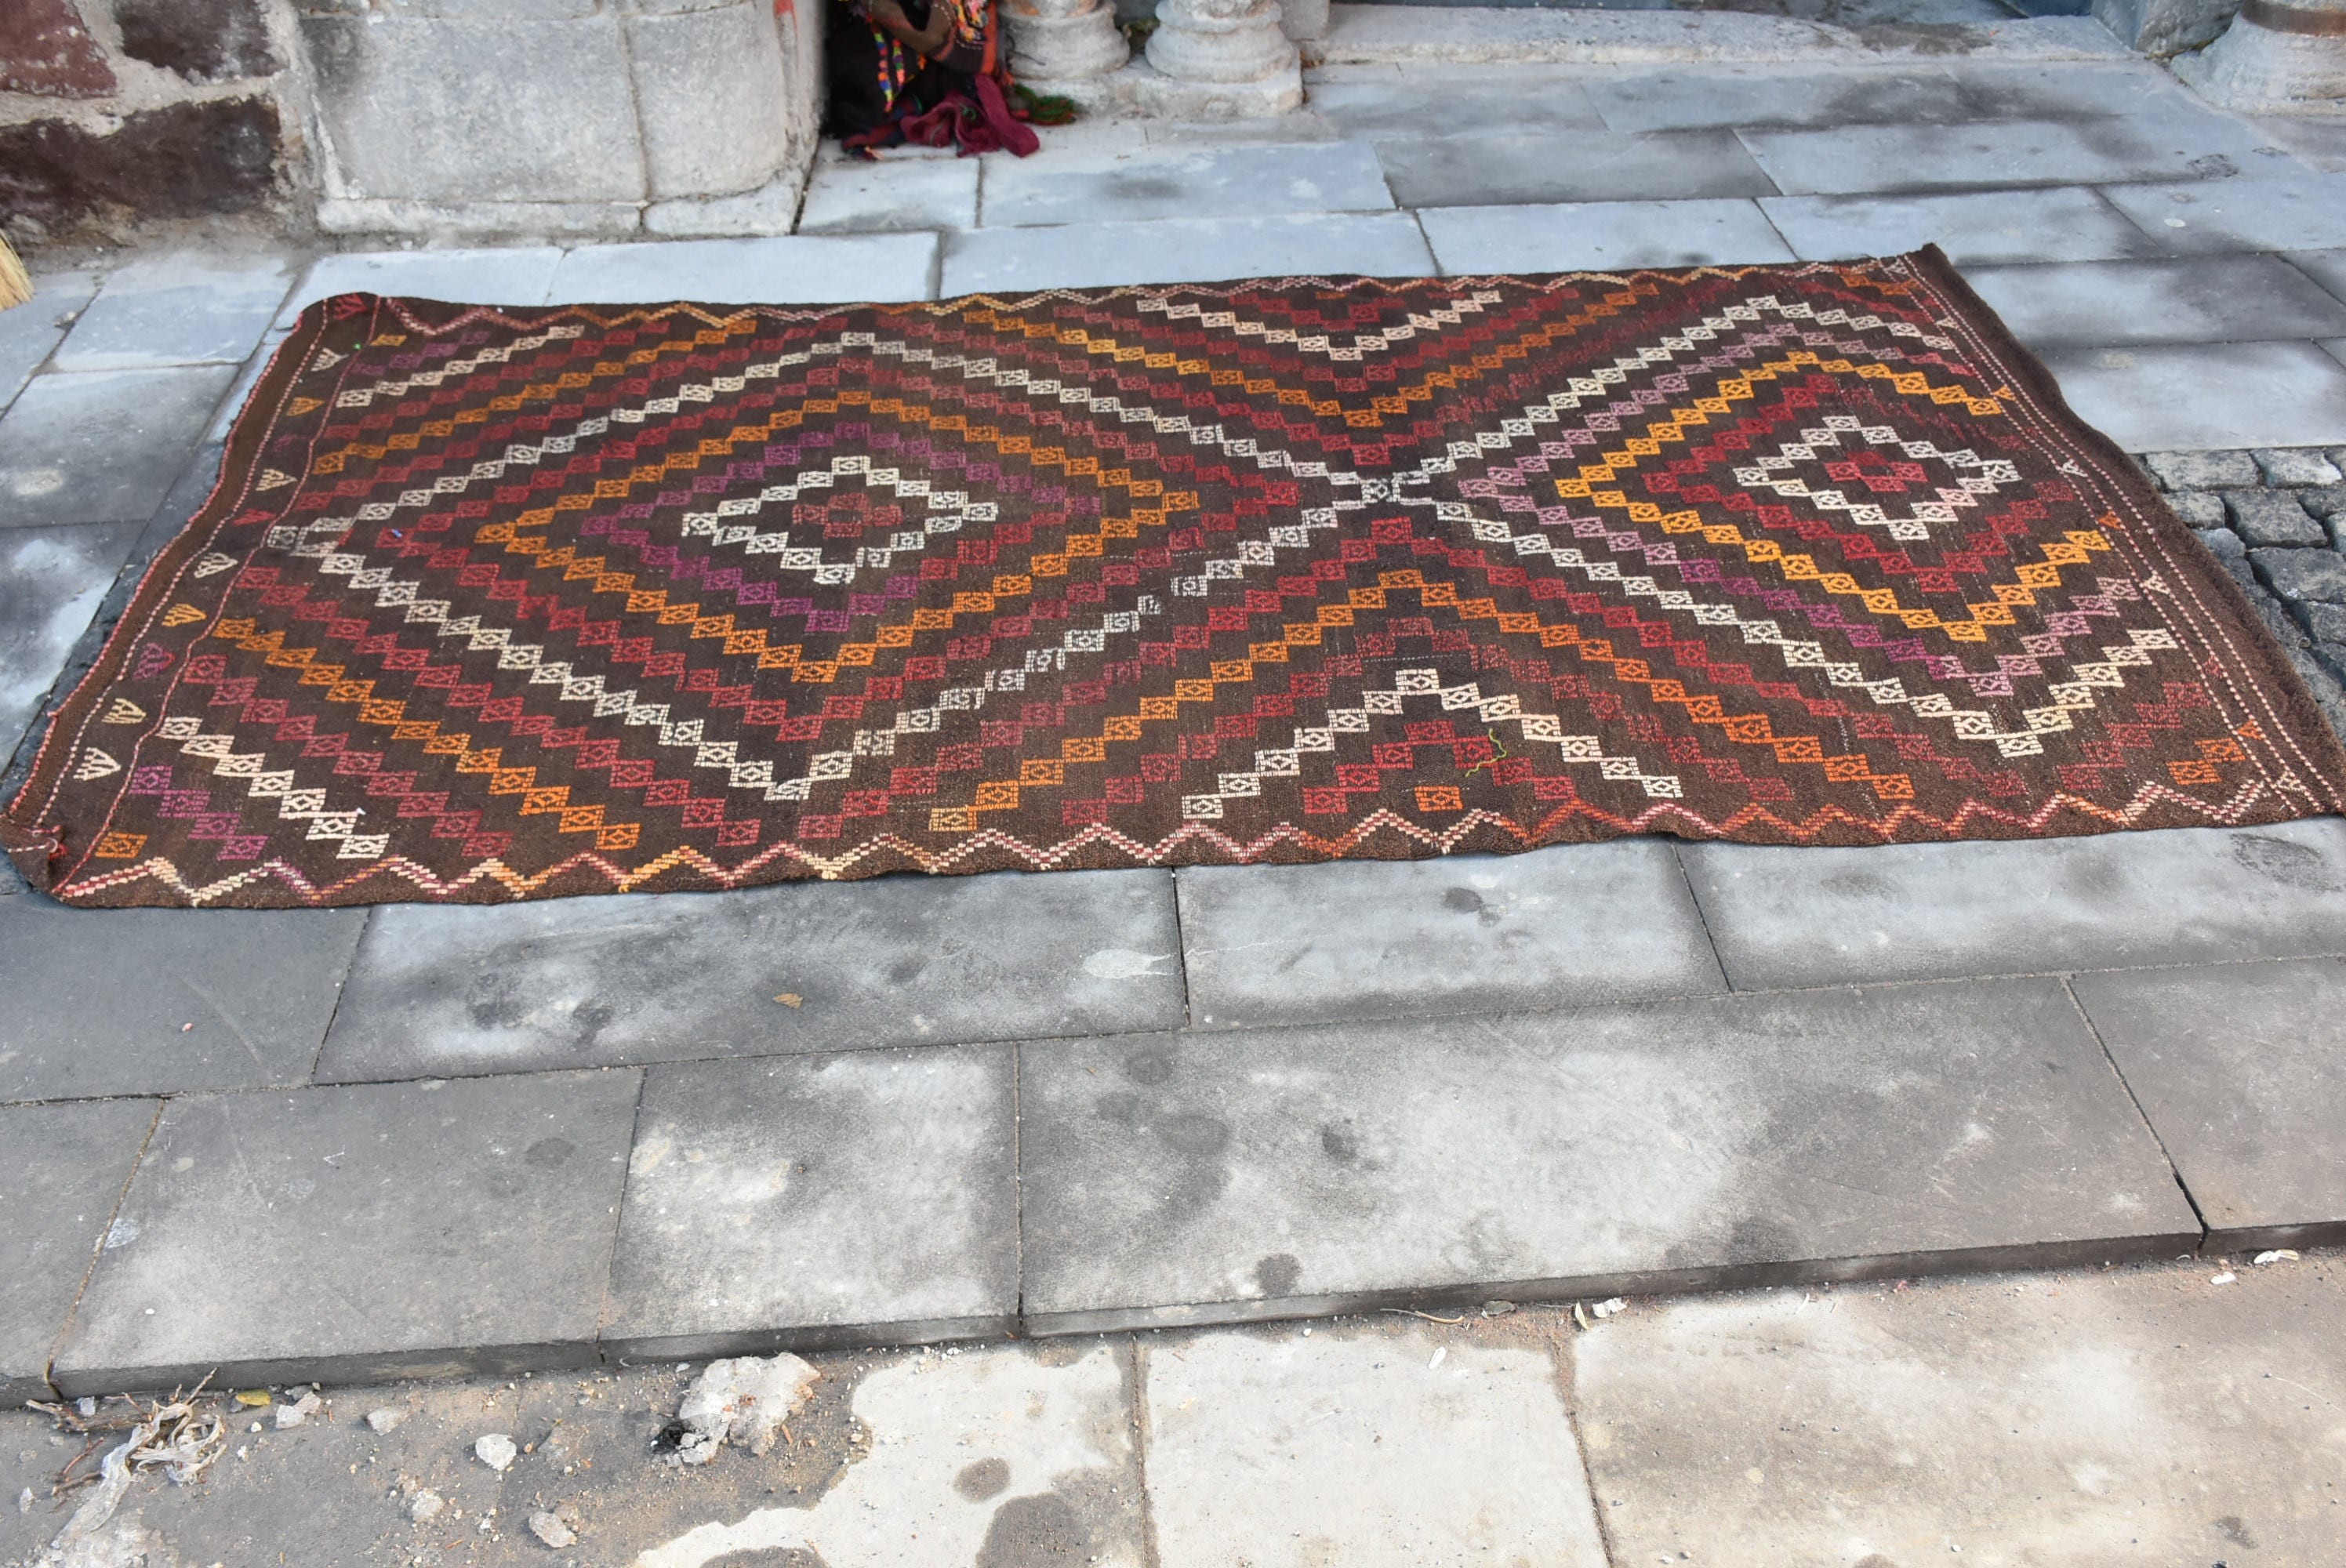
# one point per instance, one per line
(2275, 56)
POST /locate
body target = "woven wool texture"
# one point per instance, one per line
(496, 604)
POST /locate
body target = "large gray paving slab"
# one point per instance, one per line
(2316, 140)
(2010, 90)
(185, 308)
(2327, 268)
(819, 269)
(1570, 166)
(1440, 101)
(853, 195)
(2061, 223)
(2202, 299)
(2138, 1415)
(1827, 916)
(1600, 235)
(2181, 397)
(1991, 153)
(30, 332)
(62, 1170)
(1363, 1447)
(51, 583)
(2237, 1067)
(515, 275)
(148, 1002)
(892, 961)
(1219, 1177)
(1727, 97)
(385, 1230)
(1193, 250)
(1198, 182)
(101, 446)
(2266, 211)
(870, 1197)
(1560, 927)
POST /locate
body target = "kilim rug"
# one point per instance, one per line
(500, 603)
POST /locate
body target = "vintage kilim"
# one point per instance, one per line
(498, 604)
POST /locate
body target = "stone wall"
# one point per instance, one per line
(113, 110)
(562, 117)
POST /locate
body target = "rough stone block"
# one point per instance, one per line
(2171, 396)
(1973, 227)
(429, 109)
(2298, 466)
(1358, 1446)
(2202, 469)
(1559, 927)
(2303, 573)
(387, 1231)
(858, 1198)
(1601, 236)
(1820, 916)
(1509, 170)
(45, 49)
(891, 961)
(51, 581)
(183, 160)
(1199, 251)
(2163, 27)
(62, 1168)
(101, 446)
(2235, 1066)
(1217, 1177)
(183, 308)
(765, 210)
(202, 40)
(2272, 517)
(2199, 508)
(709, 95)
(2323, 500)
(2201, 299)
(136, 1001)
(2323, 623)
(2223, 544)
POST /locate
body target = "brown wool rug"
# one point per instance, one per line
(500, 603)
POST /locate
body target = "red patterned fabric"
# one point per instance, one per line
(498, 604)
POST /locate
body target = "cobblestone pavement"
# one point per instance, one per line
(358, 1143)
(2177, 1414)
(2277, 519)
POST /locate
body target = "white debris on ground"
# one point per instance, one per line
(182, 1437)
(551, 1529)
(495, 1450)
(425, 1506)
(300, 1411)
(2279, 1255)
(384, 1421)
(745, 1400)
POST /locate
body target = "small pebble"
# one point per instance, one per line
(496, 1451)
(549, 1528)
(424, 1506)
(385, 1420)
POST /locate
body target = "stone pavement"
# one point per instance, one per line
(367, 1143)
(2176, 1414)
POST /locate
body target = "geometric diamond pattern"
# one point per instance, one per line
(498, 604)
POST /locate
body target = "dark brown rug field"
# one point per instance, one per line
(499, 603)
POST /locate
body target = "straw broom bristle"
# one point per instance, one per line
(16, 283)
